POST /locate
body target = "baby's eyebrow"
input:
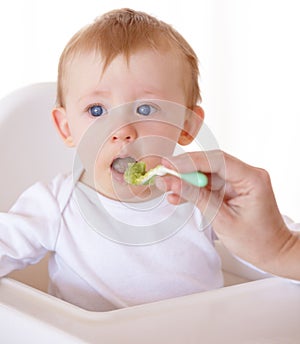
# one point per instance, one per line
(96, 93)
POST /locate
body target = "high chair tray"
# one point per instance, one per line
(264, 311)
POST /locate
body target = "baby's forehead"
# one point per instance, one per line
(86, 60)
(145, 74)
(90, 60)
(152, 71)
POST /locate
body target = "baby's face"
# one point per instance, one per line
(122, 115)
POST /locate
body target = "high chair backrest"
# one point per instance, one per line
(30, 148)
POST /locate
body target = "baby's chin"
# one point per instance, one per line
(112, 185)
(124, 192)
(130, 193)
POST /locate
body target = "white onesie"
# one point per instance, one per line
(88, 268)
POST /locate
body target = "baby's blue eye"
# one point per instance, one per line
(96, 110)
(146, 109)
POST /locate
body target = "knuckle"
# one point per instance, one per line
(263, 176)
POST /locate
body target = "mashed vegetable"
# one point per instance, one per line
(134, 172)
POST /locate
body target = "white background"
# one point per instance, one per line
(249, 53)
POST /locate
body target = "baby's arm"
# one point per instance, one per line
(29, 229)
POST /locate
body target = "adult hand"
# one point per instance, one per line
(245, 213)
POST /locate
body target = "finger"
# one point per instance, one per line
(187, 163)
(175, 185)
(208, 202)
(215, 182)
(215, 162)
(206, 162)
(164, 186)
(175, 199)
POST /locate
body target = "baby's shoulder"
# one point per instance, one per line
(50, 196)
(61, 181)
(61, 188)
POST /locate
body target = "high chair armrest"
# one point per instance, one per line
(245, 313)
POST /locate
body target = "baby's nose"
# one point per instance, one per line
(127, 134)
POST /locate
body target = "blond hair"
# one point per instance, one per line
(125, 31)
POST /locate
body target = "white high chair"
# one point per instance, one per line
(249, 312)
(30, 150)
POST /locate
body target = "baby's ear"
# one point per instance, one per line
(62, 126)
(193, 121)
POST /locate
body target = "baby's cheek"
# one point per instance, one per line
(101, 162)
(170, 132)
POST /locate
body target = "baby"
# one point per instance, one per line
(127, 91)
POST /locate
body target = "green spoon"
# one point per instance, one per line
(195, 178)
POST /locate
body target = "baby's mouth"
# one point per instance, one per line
(120, 164)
